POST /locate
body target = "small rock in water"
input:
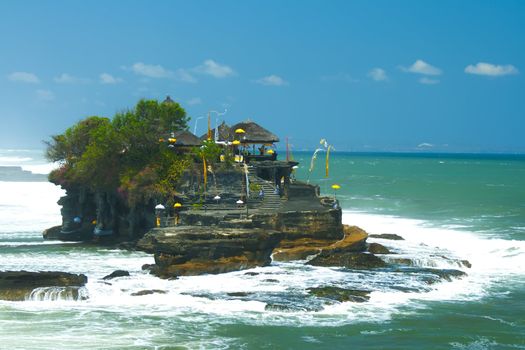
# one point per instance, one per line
(239, 294)
(271, 280)
(348, 260)
(466, 263)
(252, 273)
(148, 292)
(402, 261)
(376, 248)
(289, 308)
(115, 274)
(391, 236)
(340, 294)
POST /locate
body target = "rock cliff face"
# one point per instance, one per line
(194, 250)
(319, 224)
(87, 214)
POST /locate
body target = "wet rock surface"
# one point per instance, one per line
(348, 260)
(115, 274)
(340, 294)
(376, 248)
(391, 236)
(194, 250)
(148, 292)
(354, 240)
(18, 285)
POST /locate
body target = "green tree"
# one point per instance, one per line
(123, 154)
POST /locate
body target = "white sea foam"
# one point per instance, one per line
(28, 208)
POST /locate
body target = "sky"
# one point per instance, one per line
(443, 76)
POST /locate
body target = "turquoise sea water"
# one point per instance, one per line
(447, 207)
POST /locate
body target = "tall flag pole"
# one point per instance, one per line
(205, 172)
(209, 126)
(327, 159)
(287, 150)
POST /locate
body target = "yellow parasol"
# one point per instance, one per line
(270, 151)
(236, 142)
(240, 131)
(177, 205)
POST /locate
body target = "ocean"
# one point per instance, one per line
(447, 207)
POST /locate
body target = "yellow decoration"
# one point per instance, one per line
(236, 142)
(238, 158)
(172, 140)
(240, 131)
(336, 186)
(177, 205)
(270, 151)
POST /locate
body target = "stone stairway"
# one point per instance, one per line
(271, 201)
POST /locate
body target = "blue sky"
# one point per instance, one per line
(366, 75)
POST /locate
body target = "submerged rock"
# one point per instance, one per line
(376, 248)
(348, 260)
(18, 285)
(115, 274)
(290, 307)
(431, 275)
(148, 292)
(239, 294)
(340, 294)
(466, 263)
(391, 236)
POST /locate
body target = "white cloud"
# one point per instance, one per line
(425, 145)
(151, 70)
(272, 80)
(378, 74)
(65, 78)
(194, 101)
(45, 95)
(422, 67)
(493, 70)
(23, 77)
(428, 81)
(185, 76)
(106, 78)
(215, 69)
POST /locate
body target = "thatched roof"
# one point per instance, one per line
(225, 133)
(186, 138)
(168, 100)
(254, 133)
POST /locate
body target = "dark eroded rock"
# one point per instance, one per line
(354, 240)
(195, 250)
(239, 294)
(340, 294)
(18, 285)
(148, 292)
(391, 236)
(376, 248)
(348, 260)
(115, 274)
(466, 263)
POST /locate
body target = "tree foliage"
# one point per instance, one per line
(122, 154)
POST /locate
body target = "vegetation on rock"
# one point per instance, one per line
(122, 155)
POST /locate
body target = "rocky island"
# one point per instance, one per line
(222, 202)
